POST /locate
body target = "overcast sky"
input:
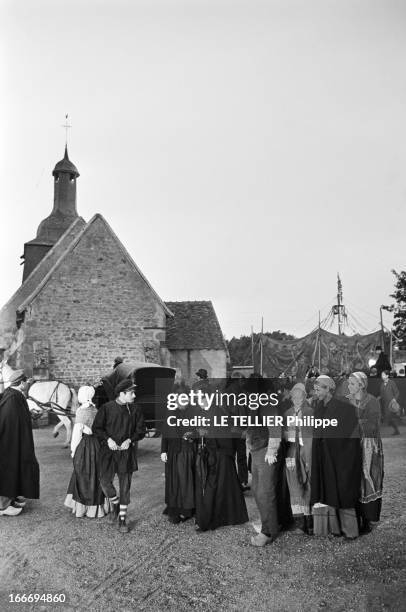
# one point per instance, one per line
(243, 151)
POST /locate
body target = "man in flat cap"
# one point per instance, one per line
(119, 425)
(19, 470)
(336, 464)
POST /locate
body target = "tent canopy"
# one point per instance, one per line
(335, 353)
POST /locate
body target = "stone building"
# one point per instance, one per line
(83, 301)
(195, 340)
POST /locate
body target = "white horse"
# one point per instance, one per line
(47, 395)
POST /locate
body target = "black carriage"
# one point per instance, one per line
(153, 381)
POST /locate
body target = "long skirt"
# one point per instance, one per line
(299, 496)
(180, 483)
(285, 516)
(219, 497)
(371, 479)
(85, 496)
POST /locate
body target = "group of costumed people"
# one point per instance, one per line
(104, 445)
(326, 481)
(331, 480)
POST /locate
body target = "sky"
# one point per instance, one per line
(243, 151)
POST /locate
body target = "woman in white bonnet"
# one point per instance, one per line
(85, 496)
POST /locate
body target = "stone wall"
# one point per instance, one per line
(10, 336)
(94, 307)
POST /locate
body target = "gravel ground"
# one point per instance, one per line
(159, 566)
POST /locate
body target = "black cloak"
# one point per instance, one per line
(19, 469)
(336, 457)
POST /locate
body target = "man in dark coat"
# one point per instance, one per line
(119, 425)
(382, 362)
(336, 463)
(19, 470)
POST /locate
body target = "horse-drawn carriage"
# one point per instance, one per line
(153, 382)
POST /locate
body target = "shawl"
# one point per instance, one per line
(303, 458)
(85, 415)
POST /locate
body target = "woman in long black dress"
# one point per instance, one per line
(178, 452)
(219, 497)
(85, 496)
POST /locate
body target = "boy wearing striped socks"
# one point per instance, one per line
(119, 425)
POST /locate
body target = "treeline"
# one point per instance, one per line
(240, 348)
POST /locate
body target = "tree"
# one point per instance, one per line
(399, 308)
(240, 349)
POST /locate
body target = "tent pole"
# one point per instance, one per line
(382, 331)
(262, 351)
(391, 349)
(252, 348)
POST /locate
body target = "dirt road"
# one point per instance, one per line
(160, 566)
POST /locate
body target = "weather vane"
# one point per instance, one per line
(66, 126)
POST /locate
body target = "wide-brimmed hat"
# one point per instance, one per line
(202, 373)
(124, 385)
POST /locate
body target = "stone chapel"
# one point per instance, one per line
(83, 301)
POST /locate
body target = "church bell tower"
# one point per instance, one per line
(62, 216)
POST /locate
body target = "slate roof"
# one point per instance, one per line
(65, 165)
(194, 326)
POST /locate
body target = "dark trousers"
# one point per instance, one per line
(124, 483)
(264, 480)
(241, 455)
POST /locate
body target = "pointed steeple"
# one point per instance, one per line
(65, 165)
(62, 216)
(64, 211)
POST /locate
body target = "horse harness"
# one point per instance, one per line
(52, 404)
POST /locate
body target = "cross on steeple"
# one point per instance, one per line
(66, 126)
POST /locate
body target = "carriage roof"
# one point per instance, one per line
(129, 370)
(144, 375)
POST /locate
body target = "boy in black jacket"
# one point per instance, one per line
(119, 425)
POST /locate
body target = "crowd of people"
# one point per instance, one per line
(314, 482)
